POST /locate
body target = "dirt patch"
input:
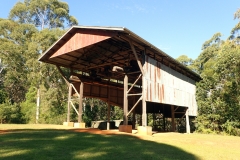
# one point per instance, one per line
(98, 131)
(113, 132)
(5, 131)
(86, 130)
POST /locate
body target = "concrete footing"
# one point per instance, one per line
(79, 125)
(145, 130)
(125, 128)
(69, 124)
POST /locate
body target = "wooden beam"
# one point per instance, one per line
(134, 83)
(128, 39)
(79, 95)
(134, 106)
(136, 94)
(144, 104)
(134, 115)
(176, 109)
(179, 113)
(125, 100)
(187, 122)
(80, 102)
(74, 108)
(173, 118)
(108, 112)
(69, 102)
(64, 77)
(105, 64)
(136, 56)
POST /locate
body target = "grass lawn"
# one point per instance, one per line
(59, 142)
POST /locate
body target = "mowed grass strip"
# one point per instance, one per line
(53, 142)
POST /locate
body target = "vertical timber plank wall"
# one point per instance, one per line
(165, 85)
(101, 92)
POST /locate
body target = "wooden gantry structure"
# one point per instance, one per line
(121, 68)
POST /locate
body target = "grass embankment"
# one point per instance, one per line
(59, 142)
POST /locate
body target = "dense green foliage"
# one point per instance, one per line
(218, 93)
(43, 14)
(95, 110)
(32, 27)
(21, 44)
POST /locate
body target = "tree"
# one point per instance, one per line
(218, 93)
(13, 45)
(185, 60)
(235, 31)
(34, 26)
(43, 13)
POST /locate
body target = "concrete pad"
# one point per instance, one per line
(144, 130)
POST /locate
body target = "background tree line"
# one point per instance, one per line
(218, 93)
(32, 27)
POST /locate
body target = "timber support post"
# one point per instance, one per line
(38, 104)
(108, 117)
(80, 103)
(134, 119)
(125, 100)
(108, 111)
(144, 129)
(125, 127)
(173, 119)
(69, 102)
(187, 122)
(144, 105)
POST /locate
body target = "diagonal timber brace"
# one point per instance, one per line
(134, 106)
(135, 54)
(134, 83)
(64, 77)
(75, 90)
(74, 107)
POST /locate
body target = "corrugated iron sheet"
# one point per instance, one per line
(82, 39)
(165, 85)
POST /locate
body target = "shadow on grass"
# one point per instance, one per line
(64, 144)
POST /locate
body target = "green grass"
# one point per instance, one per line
(57, 142)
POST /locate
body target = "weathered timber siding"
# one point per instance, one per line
(165, 85)
(101, 92)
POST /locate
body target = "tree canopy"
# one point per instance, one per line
(218, 95)
(43, 13)
(33, 26)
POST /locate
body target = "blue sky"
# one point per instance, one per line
(176, 27)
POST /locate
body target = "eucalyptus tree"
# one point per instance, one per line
(218, 93)
(32, 27)
(43, 13)
(235, 31)
(13, 46)
(185, 60)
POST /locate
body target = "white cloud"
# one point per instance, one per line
(164, 48)
(133, 8)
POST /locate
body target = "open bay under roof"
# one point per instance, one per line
(108, 47)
